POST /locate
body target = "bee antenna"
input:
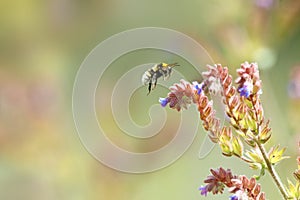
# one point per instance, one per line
(174, 64)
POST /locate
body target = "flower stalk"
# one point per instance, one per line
(244, 109)
(273, 172)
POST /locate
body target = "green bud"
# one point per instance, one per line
(265, 134)
(297, 175)
(226, 149)
(255, 157)
(251, 124)
(293, 190)
(237, 146)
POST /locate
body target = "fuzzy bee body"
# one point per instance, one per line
(158, 70)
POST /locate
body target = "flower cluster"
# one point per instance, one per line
(240, 186)
(244, 109)
(244, 187)
(217, 181)
(181, 96)
(243, 106)
(248, 80)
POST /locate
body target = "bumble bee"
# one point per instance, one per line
(151, 75)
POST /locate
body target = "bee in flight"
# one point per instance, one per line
(159, 70)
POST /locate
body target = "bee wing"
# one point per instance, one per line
(206, 147)
(146, 78)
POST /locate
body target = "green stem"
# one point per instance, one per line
(246, 159)
(272, 170)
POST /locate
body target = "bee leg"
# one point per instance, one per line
(155, 84)
(166, 76)
(149, 88)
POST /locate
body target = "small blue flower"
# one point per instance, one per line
(239, 195)
(234, 197)
(203, 190)
(163, 101)
(246, 90)
(198, 86)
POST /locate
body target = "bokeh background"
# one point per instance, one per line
(42, 45)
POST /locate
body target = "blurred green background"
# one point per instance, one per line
(43, 44)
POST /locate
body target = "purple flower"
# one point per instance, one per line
(163, 101)
(198, 86)
(246, 90)
(234, 197)
(267, 4)
(203, 190)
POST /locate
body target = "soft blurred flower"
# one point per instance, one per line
(267, 4)
(203, 190)
(163, 101)
(294, 83)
